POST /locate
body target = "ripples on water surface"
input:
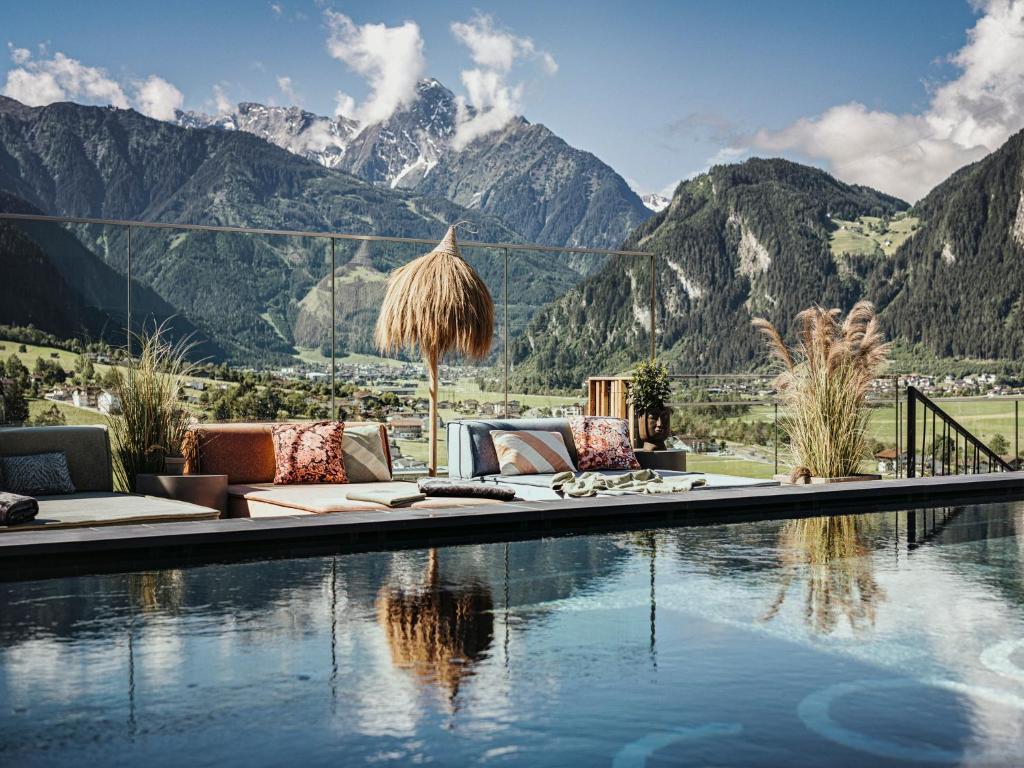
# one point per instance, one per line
(825, 641)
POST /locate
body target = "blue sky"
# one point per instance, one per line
(656, 89)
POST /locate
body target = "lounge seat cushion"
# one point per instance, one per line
(95, 508)
(321, 499)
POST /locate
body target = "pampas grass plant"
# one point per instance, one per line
(152, 424)
(823, 387)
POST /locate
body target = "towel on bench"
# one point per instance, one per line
(15, 508)
(637, 482)
(387, 498)
(454, 488)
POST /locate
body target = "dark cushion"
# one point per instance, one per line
(86, 447)
(465, 489)
(471, 450)
(36, 474)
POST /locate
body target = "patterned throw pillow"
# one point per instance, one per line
(37, 474)
(531, 453)
(309, 453)
(602, 443)
(365, 460)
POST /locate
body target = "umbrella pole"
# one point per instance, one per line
(432, 385)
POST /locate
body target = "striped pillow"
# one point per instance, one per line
(531, 453)
(365, 460)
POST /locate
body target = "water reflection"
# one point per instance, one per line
(157, 591)
(437, 630)
(840, 576)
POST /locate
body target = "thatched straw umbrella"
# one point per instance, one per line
(435, 630)
(439, 304)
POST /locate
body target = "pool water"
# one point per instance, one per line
(875, 639)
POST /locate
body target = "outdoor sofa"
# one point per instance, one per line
(471, 457)
(245, 453)
(90, 465)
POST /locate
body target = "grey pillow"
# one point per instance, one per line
(363, 452)
(37, 474)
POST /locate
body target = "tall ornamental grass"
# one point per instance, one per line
(152, 424)
(823, 387)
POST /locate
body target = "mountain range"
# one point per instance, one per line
(540, 187)
(759, 239)
(763, 237)
(250, 294)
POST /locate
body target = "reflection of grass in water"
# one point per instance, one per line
(840, 572)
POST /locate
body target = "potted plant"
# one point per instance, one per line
(648, 391)
(148, 432)
(823, 389)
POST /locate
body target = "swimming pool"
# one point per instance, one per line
(885, 639)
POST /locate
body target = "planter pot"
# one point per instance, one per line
(654, 428)
(813, 480)
(174, 465)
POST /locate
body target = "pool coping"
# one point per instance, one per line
(32, 554)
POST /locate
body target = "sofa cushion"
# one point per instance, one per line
(365, 459)
(319, 498)
(245, 451)
(527, 452)
(309, 453)
(471, 450)
(36, 474)
(602, 443)
(87, 449)
(105, 508)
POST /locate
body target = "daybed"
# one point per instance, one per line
(94, 502)
(471, 456)
(245, 453)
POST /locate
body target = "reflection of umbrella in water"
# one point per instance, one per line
(840, 579)
(436, 630)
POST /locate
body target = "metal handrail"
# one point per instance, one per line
(951, 430)
(310, 233)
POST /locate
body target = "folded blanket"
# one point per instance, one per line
(441, 487)
(640, 481)
(387, 498)
(15, 508)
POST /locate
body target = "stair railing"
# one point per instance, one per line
(947, 438)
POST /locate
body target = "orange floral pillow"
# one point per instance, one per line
(602, 443)
(309, 453)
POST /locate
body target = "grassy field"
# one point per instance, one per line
(728, 465)
(72, 415)
(867, 236)
(66, 359)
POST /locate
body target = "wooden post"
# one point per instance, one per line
(432, 386)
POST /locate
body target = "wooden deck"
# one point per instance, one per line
(37, 554)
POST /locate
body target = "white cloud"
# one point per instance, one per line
(389, 58)
(220, 98)
(287, 88)
(157, 98)
(19, 55)
(276, 8)
(498, 49)
(907, 154)
(41, 81)
(490, 101)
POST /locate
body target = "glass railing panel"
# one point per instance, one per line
(63, 321)
(556, 340)
(726, 424)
